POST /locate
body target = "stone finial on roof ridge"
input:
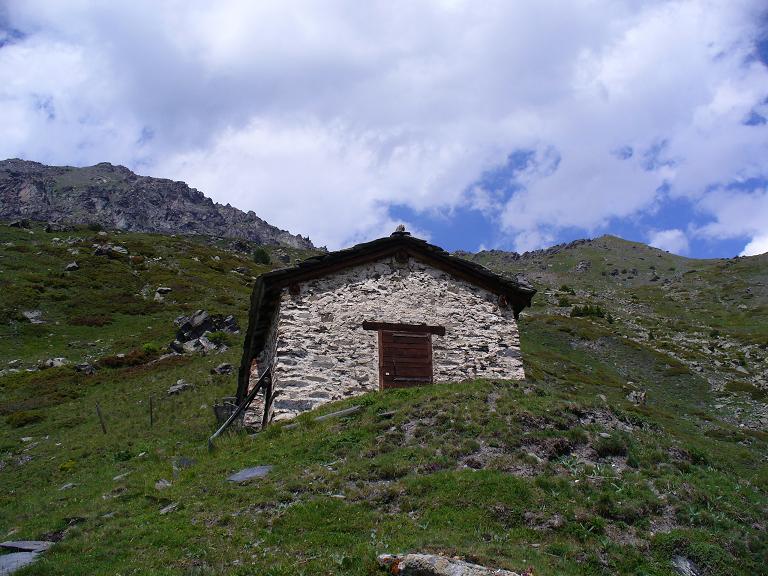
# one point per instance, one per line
(400, 231)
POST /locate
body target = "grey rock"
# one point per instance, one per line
(86, 368)
(71, 267)
(183, 462)
(163, 290)
(109, 250)
(14, 364)
(162, 484)
(24, 223)
(637, 397)
(684, 567)
(33, 316)
(250, 474)
(223, 369)
(170, 508)
(26, 545)
(432, 565)
(583, 266)
(52, 227)
(180, 386)
(66, 486)
(10, 563)
(54, 363)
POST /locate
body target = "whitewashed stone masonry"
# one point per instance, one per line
(319, 351)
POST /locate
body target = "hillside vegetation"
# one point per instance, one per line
(561, 473)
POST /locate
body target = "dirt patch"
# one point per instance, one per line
(544, 522)
(626, 536)
(412, 427)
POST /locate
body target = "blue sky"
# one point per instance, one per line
(511, 125)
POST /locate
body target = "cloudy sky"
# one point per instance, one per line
(505, 124)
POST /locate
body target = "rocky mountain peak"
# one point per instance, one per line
(115, 197)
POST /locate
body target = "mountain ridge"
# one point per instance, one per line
(115, 197)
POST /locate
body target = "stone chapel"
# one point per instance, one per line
(389, 313)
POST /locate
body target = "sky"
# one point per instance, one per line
(480, 125)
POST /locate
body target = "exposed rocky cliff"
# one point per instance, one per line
(115, 197)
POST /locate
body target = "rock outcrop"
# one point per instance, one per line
(114, 197)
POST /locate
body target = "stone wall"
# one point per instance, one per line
(320, 352)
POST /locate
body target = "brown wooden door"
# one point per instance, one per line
(405, 359)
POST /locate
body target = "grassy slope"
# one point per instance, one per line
(508, 475)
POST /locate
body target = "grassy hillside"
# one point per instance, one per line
(711, 316)
(560, 473)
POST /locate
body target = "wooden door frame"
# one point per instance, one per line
(382, 327)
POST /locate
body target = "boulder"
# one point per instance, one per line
(637, 397)
(109, 250)
(33, 316)
(24, 223)
(180, 386)
(583, 266)
(85, 368)
(250, 474)
(54, 363)
(433, 565)
(192, 332)
(223, 369)
(26, 545)
(10, 563)
(71, 267)
(163, 290)
(52, 227)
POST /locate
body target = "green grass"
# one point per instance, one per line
(559, 473)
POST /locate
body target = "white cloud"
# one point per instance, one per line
(673, 240)
(758, 245)
(322, 116)
(736, 214)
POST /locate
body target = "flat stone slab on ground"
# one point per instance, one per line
(250, 473)
(9, 563)
(26, 545)
(431, 565)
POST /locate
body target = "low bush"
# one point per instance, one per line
(22, 418)
(587, 310)
(133, 358)
(220, 338)
(613, 445)
(95, 320)
(261, 256)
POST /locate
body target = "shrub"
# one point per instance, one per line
(133, 358)
(95, 320)
(261, 256)
(614, 445)
(567, 289)
(95, 227)
(22, 418)
(151, 349)
(563, 302)
(220, 338)
(587, 310)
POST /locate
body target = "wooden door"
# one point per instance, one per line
(405, 359)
